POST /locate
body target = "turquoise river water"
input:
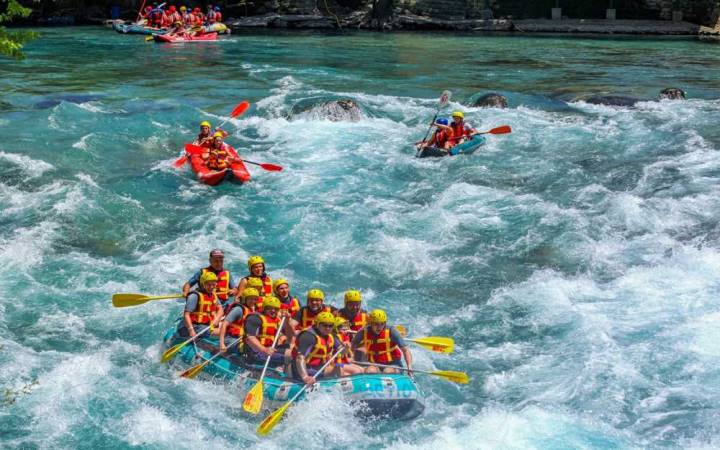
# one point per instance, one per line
(574, 261)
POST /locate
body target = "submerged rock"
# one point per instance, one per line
(333, 110)
(612, 100)
(491, 100)
(672, 94)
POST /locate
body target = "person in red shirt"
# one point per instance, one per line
(442, 138)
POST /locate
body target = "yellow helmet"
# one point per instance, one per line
(218, 134)
(255, 260)
(340, 321)
(250, 292)
(352, 296)
(256, 283)
(316, 293)
(378, 316)
(459, 114)
(325, 317)
(182, 8)
(270, 301)
(207, 277)
(205, 123)
(278, 282)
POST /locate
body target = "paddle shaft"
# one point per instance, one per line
(207, 361)
(444, 98)
(391, 367)
(322, 368)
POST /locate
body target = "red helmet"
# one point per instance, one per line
(171, 8)
(196, 9)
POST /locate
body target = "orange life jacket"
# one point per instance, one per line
(307, 317)
(440, 138)
(322, 351)
(207, 305)
(236, 328)
(217, 158)
(267, 284)
(293, 306)
(458, 131)
(344, 339)
(268, 330)
(379, 347)
(223, 283)
(358, 322)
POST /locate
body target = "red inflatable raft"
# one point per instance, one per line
(237, 170)
(173, 39)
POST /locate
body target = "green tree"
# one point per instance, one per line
(11, 42)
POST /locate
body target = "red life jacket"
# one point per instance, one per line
(345, 339)
(307, 317)
(440, 138)
(156, 17)
(207, 304)
(458, 131)
(293, 305)
(223, 283)
(379, 347)
(321, 352)
(218, 16)
(267, 283)
(236, 328)
(217, 159)
(268, 330)
(358, 322)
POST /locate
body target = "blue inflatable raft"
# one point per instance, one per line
(134, 28)
(394, 396)
(466, 148)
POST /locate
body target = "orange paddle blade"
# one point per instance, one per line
(271, 167)
(193, 149)
(241, 108)
(501, 130)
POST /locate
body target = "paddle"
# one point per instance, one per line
(444, 99)
(192, 149)
(435, 343)
(253, 399)
(239, 109)
(450, 375)
(270, 421)
(195, 370)
(169, 353)
(123, 300)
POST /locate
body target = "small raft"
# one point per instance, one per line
(236, 172)
(175, 39)
(394, 396)
(134, 28)
(466, 148)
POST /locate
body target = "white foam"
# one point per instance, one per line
(33, 168)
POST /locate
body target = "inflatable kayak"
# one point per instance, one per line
(394, 396)
(219, 28)
(134, 28)
(237, 171)
(175, 39)
(466, 148)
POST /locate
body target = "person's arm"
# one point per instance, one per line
(189, 324)
(408, 359)
(397, 338)
(358, 348)
(190, 283)
(252, 328)
(306, 342)
(240, 287)
(191, 303)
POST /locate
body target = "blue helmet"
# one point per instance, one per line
(442, 121)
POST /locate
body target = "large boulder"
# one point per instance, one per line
(334, 110)
(672, 94)
(491, 100)
(612, 100)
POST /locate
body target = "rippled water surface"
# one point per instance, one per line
(575, 261)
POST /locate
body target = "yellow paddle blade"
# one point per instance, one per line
(450, 375)
(172, 351)
(254, 398)
(123, 300)
(149, 38)
(436, 343)
(195, 370)
(270, 421)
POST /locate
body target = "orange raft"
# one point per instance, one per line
(237, 170)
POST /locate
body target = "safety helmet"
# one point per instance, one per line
(218, 134)
(443, 121)
(316, 293)
(255, 282)
(339, 322)
(250, 292)
(325, 317)
(459, 114)
(182, 8)
(270, 301)
(207, 277)
(205, 123)
(217, 252)
(378, 316)
(278, 282)
(177, 23)
(352, 296)
(255, 260)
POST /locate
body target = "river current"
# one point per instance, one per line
(575, 261)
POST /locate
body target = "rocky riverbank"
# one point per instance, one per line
(408, 21)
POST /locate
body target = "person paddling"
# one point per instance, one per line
(234, 321)
(305, 317)
(460, 129)
(342, 334)
(205, 137)
(288, 303)
(224, 279)
(201, 306)
(260, 330)
(441, 138)
(352, 312)
(217, 156)
(381, 344)
(256, 266)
